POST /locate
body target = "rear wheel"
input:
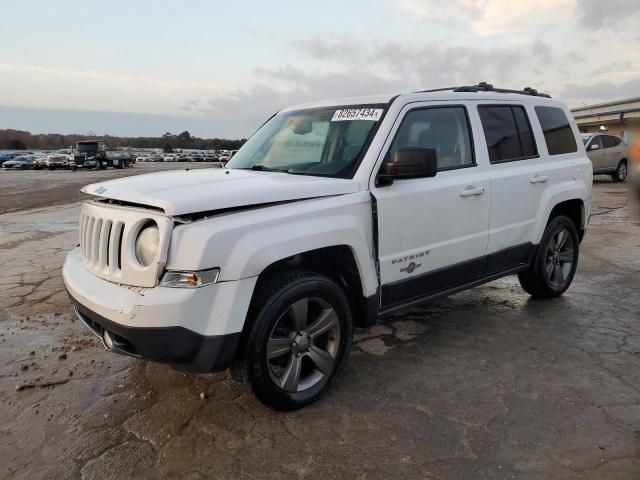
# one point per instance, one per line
(556, 260)
(298, 339)
(621, 172)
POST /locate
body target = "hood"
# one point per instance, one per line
(181, 192)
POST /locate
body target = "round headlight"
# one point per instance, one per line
(147, 244)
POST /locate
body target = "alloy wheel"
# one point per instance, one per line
(560, 258)
(303, 345)
(622, 172)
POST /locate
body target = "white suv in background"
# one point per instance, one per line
(608, 154)
(333, 214)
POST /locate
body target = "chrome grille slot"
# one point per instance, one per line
(103, 249)
(115, 247)
(95, 241)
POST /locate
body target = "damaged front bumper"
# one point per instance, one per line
(191, 329)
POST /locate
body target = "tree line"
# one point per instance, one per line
(22, 140)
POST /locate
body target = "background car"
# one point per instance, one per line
(5, 156)
(172, 157)
(22, 162)
(56, 160)
(608, 154)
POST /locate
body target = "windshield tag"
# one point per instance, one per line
(372, 114)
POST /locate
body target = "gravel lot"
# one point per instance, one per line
(485, 384)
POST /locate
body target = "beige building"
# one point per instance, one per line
(620, 117)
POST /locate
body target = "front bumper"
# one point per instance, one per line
(177, 346)
(192, 329)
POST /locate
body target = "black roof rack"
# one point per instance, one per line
(487, 87)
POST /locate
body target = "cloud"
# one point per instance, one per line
(350, 67)
(596, 14)
(490, 17)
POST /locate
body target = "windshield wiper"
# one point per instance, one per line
(262, 168)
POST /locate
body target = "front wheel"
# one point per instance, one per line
(556, 260)
(297, 341)
(621, 172)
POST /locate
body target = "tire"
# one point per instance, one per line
(296, 319)
(553, 267)
(620, 174)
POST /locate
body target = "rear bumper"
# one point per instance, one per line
(177, 346)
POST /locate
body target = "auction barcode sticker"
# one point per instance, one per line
(372, 114)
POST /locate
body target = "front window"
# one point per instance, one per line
(446, 129)
(323, 141)
(87, 147)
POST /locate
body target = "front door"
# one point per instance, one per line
(597, 154)
(433, 232)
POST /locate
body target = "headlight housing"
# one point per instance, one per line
(147, 244)
(190, 279)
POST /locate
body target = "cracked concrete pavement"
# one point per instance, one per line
(484, 384)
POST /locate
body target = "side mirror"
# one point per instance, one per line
(409, 163)
(594, 146)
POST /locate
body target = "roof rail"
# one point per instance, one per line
(487, 87)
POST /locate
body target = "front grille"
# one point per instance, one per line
(107, 243)
(101, 243)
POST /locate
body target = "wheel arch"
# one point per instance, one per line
(337, 262)
(574, 210)
(571, 198)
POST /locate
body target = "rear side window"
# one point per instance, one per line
(508, 133)
(557, 131)
(610, 141)
(607, 140)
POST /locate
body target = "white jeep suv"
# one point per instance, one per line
(333, 214)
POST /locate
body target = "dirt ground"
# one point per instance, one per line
(485, 384)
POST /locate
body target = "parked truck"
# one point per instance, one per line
(93, 154)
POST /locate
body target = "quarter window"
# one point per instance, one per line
(507, 132)
(557, 131)
(444, 128)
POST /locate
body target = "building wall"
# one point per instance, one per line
(618, 117)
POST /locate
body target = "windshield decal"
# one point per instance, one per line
(372, 114)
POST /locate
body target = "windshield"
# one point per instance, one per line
(87, 147)
(323, 141)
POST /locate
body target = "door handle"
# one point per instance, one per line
(539, 179)
(471, 191)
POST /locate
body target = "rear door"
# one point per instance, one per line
(609, 153)
(519, 176)
(616, 151)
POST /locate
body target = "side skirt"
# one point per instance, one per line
(406, 294)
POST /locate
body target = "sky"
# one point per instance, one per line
(220, 68)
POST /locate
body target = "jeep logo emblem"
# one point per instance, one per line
(411, 267)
